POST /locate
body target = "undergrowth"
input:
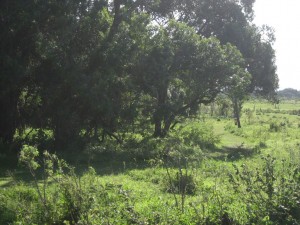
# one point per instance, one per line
(179, 182)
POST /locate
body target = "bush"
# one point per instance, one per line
(179, 183)
(62, 197)
(271, 193)
(198, 134)
(276, 126)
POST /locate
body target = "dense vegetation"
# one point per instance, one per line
(139, 97)
(86, 71)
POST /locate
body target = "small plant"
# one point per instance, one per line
(62, 197)
(249, 115)
(183, 158)
(181, 183)
(271, 194)
(276, 126)
(53, 169)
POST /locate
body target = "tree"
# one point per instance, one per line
(231, 22)
(91, 69)
(18, 57)
(237, 92)
(182, 70)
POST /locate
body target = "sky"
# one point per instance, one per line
(284, 17)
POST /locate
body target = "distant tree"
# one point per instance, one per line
(289, 93)
(223, 105)
(237, 92)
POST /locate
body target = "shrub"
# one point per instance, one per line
(276, 126)
(199, 134)
(181, 182)
(272, 192)
(62, 197)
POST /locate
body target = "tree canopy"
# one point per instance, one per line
(91, 69)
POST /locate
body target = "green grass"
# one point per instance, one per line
(140, 185)
(283, 105)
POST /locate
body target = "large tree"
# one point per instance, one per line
(231, 22)
(19, 31)
(85, 68)
(181, 70)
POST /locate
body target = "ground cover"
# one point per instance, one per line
(207, 172)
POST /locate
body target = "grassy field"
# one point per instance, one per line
(246, 176)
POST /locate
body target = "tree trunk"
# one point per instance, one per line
(157, 128)
(237, 112)
(160, 111)
(167, 123)
(66, 134)
(8, 118)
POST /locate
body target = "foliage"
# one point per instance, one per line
(87, 71)
(199, 134)
(114, 83)
(62, 197)
(271, 192)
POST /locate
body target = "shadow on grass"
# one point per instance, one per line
(17, 175)
(106, 163)
(12, 172)
(232, 153)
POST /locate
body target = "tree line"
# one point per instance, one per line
(92, 69)
(289, 93)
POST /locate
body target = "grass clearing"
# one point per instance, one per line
(248, 177)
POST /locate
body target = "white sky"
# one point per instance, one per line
(284, 17)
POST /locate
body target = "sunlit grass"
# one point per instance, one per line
(145, 182)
